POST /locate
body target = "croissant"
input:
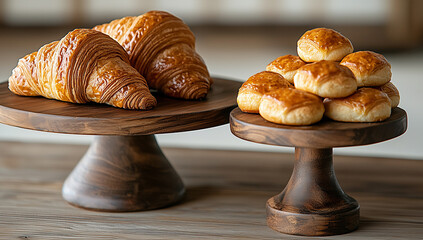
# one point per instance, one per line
(84, 66)
(162, 48)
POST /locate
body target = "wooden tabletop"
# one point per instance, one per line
(226, 196)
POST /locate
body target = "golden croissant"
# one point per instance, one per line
(85, 65)
(162, 48)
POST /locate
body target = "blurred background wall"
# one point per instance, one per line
(238, 38)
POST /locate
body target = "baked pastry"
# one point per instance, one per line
(84, 66)
(286, 66)
(291, 107)
(325, 79)
(365, 105)
(162, 48)
(369, 68)
(392, 92)
(252, 90)
(323, 44)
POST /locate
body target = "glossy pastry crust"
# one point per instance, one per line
(291, 106)
(83, 66)
(323, 44)
(252, 90)
(326, 79)
(286, 66)
(365, 105)
(369, 68)
(162, 48)
(392, 92)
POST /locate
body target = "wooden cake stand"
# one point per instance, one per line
(312, 202)
(124, 169)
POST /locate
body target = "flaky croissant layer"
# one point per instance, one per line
(162, 48)
(85, 65)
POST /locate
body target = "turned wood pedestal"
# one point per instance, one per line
(312, 202)
(123, 173)
(124, 169)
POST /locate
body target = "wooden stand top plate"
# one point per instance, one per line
(170, 115)
(324, 134)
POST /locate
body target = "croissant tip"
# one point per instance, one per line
(200, 96)
(147, 104)
(140, 100)
(199, 93)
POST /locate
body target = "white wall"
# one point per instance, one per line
(55, 12)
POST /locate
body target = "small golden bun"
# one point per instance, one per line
(251, 91)
(326, 79)
(323, 44)
(286, 66)
(291, 107)
(392, 92)
(365, 105)
(369, 68)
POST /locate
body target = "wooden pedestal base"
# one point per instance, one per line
(313, 203)
(123, 173)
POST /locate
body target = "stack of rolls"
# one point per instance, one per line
(326, 78)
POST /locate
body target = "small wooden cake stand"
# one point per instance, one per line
(124, 169)
(313, 203)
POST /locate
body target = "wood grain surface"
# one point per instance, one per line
(121, 174)
(313, 203)
(170, 115)
(226, 195)
(324, 134)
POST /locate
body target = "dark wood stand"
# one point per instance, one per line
(123, 173)
(124, 168)
(312, 202)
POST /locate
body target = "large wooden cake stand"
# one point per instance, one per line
(124, 168)
(312, 202)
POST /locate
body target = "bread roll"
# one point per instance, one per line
(286, 66)
(369, 68)
(392, 92)
(251, 91)
(365, 105)
(323, 44)
(291, 107)
(325, 79)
